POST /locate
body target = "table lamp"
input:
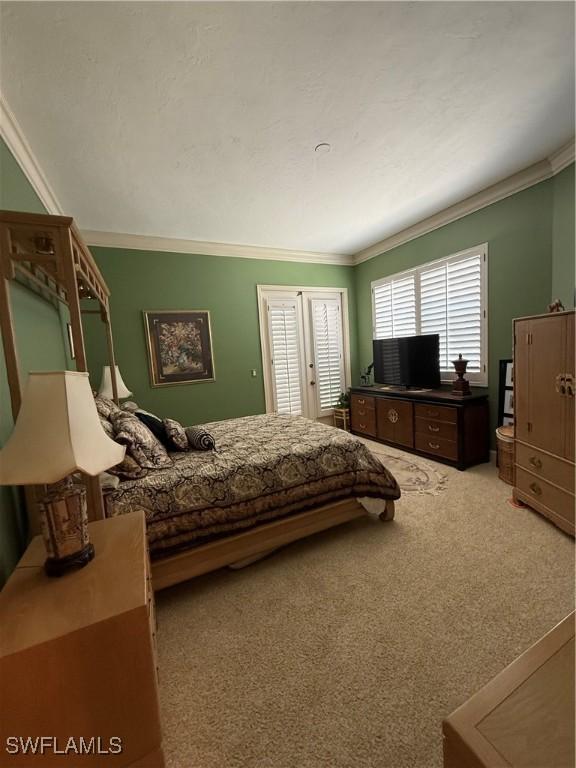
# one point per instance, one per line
(58, 432)
(106, 384)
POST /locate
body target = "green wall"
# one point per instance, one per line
(518, 231)
(226, 286)
(563, 251)
(39, 333)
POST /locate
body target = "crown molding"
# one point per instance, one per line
(562, 158)
(198, 247)
(502, 189)
(13, 135)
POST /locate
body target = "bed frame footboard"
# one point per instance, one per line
(242, 548)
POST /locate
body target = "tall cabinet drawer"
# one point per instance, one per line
(541, 493)
(548, 467)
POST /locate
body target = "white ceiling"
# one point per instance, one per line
(199, 120)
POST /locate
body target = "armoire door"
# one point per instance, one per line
(569, 397)
(540, 407)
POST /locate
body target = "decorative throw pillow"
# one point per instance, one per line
(155, 426)
(176, 434)
(200, 439)
(106, 407)
(139, 441)
(128, 469)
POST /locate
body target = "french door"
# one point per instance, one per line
(304, 349)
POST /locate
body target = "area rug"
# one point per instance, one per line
(347, 649)
(414, 475)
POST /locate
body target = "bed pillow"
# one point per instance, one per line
(106, 407)
(200, 439)
(128, 469)
(176, 434)
(155, 426)
(139, 441)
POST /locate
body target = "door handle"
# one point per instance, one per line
(561, 384)
(312, 383)
(535, 488)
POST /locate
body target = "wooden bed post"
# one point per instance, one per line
(7, 327)
(105, 314)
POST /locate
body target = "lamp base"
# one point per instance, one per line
(65, 528)
(58, 566)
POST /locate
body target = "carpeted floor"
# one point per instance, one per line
(347, 649)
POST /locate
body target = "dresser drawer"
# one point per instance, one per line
(436, 412)
(544, 494)
(437, 446)
(362, 401)
(432, 428)
(363, 420)
(548, 467)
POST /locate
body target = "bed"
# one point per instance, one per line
(272, 479)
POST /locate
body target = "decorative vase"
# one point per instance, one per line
(461, 385)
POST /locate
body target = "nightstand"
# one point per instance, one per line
(78, 656)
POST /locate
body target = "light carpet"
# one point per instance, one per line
(346, 650)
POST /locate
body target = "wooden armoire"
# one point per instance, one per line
(544, 387)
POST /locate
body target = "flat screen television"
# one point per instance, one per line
(408, 361)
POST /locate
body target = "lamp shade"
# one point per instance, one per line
(57, 432)
(106, 384)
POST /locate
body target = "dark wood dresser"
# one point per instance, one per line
(434, 423)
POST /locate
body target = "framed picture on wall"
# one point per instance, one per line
(179, 346)
(506, 393)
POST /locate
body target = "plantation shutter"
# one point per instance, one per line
(285, 355)
(464, 310)
(327, 335)
(433, 314)
(395, 307)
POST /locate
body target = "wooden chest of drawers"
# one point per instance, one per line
(77, 653)
(449, 428)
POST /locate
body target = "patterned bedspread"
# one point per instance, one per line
(265, 467)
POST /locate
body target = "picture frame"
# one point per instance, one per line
(179, 344)
(506, 393)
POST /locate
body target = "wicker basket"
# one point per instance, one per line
(505, 443)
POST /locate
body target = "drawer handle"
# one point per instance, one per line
(535, 462)
(535, 488)
(432, 413)
(361, 412)
(433, 429)
(361, 402)
(362, 426)
(434, 445)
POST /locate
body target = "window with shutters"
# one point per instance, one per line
(327, 339)
(447, 297)
(284, 329)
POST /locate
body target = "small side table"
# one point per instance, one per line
(342, 418)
